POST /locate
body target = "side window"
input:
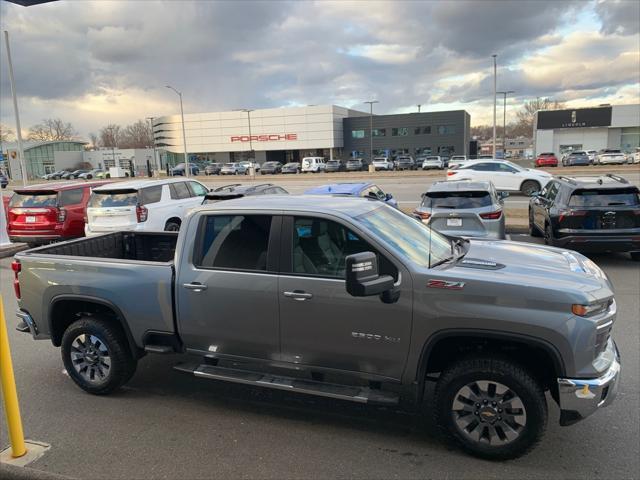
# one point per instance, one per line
(238, 242)
(150, 194)
(179, 190)
(197, 189)
(71, 197)
(505, 168)
(552, 192)
(481, 167)
(374, 192)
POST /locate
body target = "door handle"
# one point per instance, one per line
(298, 295)
(196, 287)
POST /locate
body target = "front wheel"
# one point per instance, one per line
(96, 355)
(491, 407)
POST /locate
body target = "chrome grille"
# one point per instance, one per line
(602, 337)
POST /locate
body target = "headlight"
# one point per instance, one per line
(591, 309)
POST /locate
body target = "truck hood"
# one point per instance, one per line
(535, 264)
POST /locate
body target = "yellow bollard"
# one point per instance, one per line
(9, 393)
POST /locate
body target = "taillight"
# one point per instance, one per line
(16, 266)
(62, 215)
(422, 215)
(142, 213)
(491, 215)
(451, 173)
(571, 213)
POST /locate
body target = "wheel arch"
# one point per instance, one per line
(530, 180)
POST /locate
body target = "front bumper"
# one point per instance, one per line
(578, 398)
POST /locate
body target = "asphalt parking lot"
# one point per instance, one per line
(165, 424)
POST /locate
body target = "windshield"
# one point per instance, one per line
(291, 165)
(230, 165)
(409, 238)
(113, 199)
(33, 200)
(456, 200)
(604, 198)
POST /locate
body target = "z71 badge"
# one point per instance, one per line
(445, 284)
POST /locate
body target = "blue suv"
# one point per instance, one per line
(362, 189)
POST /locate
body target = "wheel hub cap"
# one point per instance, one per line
(488, 412)
(90, 358)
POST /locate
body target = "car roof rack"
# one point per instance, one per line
(617, 178)
(568, 179)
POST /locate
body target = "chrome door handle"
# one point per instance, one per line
(196, 287)
(298, 295)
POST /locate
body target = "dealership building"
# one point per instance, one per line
(289, 134)
(606, 126)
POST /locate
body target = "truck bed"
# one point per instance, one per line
(139, 246)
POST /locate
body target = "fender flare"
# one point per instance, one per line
(87, 298)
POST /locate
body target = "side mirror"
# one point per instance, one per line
(535, 194)
(388, 196)
(363, 279)
(504, 195)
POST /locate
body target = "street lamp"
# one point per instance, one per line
(184, 134)
(248, 111)
(371, 102)
(155, 155)
(495, 76)
(419, 105)
(504, 120)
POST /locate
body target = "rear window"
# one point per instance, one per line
(456, 200)
(113, 199)
(33, 200)
(604, 198)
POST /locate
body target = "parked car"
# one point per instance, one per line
(457, 159)
(334, 166)
(142, 205)
(610, 156)
(355, 189)
(213, 169)
(248, 165)
(634, 157)
(356, 165)
(180, 169)
(506, 176)
(405, 162)
(546, 159)
(55, 175)
(271, 168)
(238, 190)
(432, 161)
(592, 156)
(103, 175)
(48, 212)
(291, 167)
(345, 298)
(464, 209)
(383, 163)
(313, 165)
(4, 180)
(74, 175)
(591, 214)
(91, 174)
(577, 157)
(485, 156)
(235, 168)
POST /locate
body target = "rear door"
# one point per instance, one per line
(543, 202)
(112, 210)
(227, 296)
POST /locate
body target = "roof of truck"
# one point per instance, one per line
(340, 204)
(135, 184)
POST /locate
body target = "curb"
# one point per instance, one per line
(11, 249)
(10, 472)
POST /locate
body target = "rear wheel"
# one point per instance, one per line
(172, 226)
(529, 187)
(548, 234)
(96, 355)
(491, 407)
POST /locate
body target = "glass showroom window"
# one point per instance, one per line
(400, 132)
(422, 131)
(379, 132)
(446, 129)
(357, 133)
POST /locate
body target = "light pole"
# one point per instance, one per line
(495, 76)
(184, 134)
(155, 155)
(419, 108)
(15, 109)
(371, 102)
(504, 120)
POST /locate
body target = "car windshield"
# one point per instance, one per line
(229, 164)
(432, 158)
(113, 199)
(270, 164)
(604, 198)
(333, 162)
(291, 165)
(379, 159)
(33, 200)
(413, 240)
(456, 200)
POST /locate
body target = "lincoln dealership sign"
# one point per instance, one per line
(580, 117)
(274, 137)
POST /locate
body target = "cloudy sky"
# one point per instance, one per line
(92, 63)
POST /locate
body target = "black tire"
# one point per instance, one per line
(635, 256)
(548, 234)
(533, 230)
(517, 381)
(108, 337)
(172, 226)
(528, 187)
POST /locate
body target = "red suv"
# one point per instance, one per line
(546, 160)
(48, 212)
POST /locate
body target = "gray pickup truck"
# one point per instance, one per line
(339, 297)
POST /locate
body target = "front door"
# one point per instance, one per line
(322, 325)
(227, 297)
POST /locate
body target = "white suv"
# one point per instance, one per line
(313, 164)
(142, 205)
(505, 175)
(382, 163)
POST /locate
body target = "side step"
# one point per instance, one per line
(158, 349)
(343, 392)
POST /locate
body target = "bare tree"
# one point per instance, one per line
(95, 140)
(6, 133)
(52, 129)
(526, 115)
(137, 135)
(110, 135)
